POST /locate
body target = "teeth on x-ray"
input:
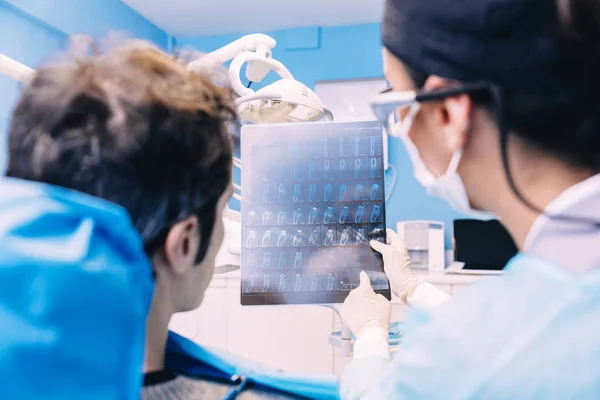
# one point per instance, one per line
(282, 239)
(312, 217)
(251, 239)
(266, 260)
(330, 282)
(360, 191)
(281, 193)
(283, 260)
(311, 169)
(357, 167)
(295, 173)
(250, 260)
(345, 236)
(357, 146)
(326, 168)
(330, 260)
(251, 216)
(372, 152)
(360, 214)
(327, 192)
(328, 216)
(342, 168)
(281, 217)
(343, 190)
(329, 237)
(373, 167)
(250, 284)
(312, 190)
(297, 216)
(298, 283)
(314, 285)
(282, 282)
(266, 282)
(296, 193)
(314, 238)
(375, 213)
(374, 191)
(298, 239)
(360, 235)
(266, 193)
(266, 217)
(344, 214)
(266, 239)
(342, 147)
(326, 148)
(298, 260)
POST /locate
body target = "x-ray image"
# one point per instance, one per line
(313, 198)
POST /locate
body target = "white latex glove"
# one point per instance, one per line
(364, 310)
(403, 281)
(397, 266)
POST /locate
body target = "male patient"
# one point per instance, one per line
(133, 126)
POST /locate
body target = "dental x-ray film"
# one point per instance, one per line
(313, 197)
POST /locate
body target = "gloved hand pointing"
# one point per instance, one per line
(403, 281)
(365, 310)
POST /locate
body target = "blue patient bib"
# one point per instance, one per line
(75, 289)
(185, 357)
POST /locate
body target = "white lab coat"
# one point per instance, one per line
(533, 333)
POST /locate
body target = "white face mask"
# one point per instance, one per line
(448, 187)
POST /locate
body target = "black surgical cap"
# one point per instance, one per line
(515, 44)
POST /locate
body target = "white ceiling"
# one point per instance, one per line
(215, 17)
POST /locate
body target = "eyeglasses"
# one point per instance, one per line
(387, 102)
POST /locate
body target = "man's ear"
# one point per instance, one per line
(454, 113)
(182, 244)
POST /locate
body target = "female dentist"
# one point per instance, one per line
(499, 109)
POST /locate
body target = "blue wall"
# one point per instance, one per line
(347, 52)
(33, 30)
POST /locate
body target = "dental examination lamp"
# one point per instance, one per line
(285, 100)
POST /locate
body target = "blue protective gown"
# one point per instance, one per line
(75, 289)
(533, 333)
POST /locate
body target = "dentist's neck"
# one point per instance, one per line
(157, 330)
(540, 190)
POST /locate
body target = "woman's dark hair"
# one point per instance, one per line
(565, 120)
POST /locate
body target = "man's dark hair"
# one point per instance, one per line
(132, 126)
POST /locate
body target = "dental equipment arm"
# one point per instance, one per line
(286, 100)
(15, 70)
